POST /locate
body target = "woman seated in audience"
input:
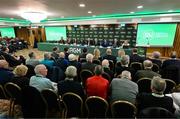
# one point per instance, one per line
(20, 79)
(121, 52)
(97, 54)
(69, 85)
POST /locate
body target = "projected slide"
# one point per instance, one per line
(55, 33)
(7, 31)
(157, 35)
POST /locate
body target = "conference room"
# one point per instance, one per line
(89, 59)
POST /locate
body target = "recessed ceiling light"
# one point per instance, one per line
(140, 6)
(170, 10)
(82, 5)
(62, 16)
(93, 15)
(131, 12)
(89, 12)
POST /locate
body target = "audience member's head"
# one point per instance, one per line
(55, 49)
(134, 50)
(121, 52)
(66, 49)
(173, 54)
(5, 49)
(105, 63)
(85, 50)
(147, 64)
(4, 64)
(158, 85)
(61, 55)
(96, 53)
(98, 70)
(89, 57)
(125, 60)
(109, 51)
(47, 55)
(71, 72)
(156, 54)
(32, 55)
(41, 70)
(20, 70)
(126, 74)
(72, 57)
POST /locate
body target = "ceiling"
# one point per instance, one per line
(64, 9)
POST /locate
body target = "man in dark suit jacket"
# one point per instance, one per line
(109, 56)
(156, 98)
(147, 72)
(135, 57)
(88, 65)
(172, 61)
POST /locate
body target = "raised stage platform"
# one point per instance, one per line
(77, 49)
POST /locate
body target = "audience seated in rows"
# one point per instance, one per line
(69, 85)
(39, 81)
(147, 72)
(97, 85)
(32, 59)
(123, 88)
(6, 75)
(11, 58)
(20, 76)
(124, 65)
(156, 98)
(106, 69)
(135, 57)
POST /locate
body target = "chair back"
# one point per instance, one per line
(171, 72)
(155, 112)
(144, 85)
(2, 93)
(97, 107)
(14, 91)
(111, 65)
(136, 66)
(73, 105)
(106, 76)
(96, 61)
(30, 71)
(82, 60)
(170, 85)
(155, 68)
(52, 99)
(84, 75)
(123, 109)
(33, 104)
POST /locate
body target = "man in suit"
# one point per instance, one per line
(123, 88)
(135, 57)
(147, 72)
(88, 65)
(156, 58)
(109, 55)
(156, 98)
(105, 43)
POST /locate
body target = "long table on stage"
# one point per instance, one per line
(77, 49)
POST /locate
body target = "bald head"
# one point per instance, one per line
(4, 64)
(126, 74)
(105, 63)
(147, 64)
